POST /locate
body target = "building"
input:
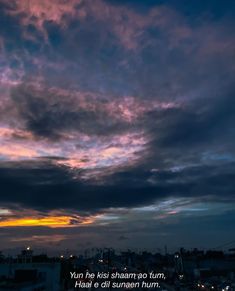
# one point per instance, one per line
(23, 274)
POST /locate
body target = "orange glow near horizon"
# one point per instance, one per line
(51, 221)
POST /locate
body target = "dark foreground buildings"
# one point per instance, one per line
(184, 270)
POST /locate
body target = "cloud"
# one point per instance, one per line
(127, 25)
(47, 112)
(48, 187)
(68, 149)
(116, 114)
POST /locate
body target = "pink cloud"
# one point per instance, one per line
(126, 24)
(37, 12)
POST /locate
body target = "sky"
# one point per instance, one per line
(117, 124)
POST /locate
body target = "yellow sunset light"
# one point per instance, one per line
(55, 221)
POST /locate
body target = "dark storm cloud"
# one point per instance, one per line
(47, 113)
(199, 122)
(48, 187)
